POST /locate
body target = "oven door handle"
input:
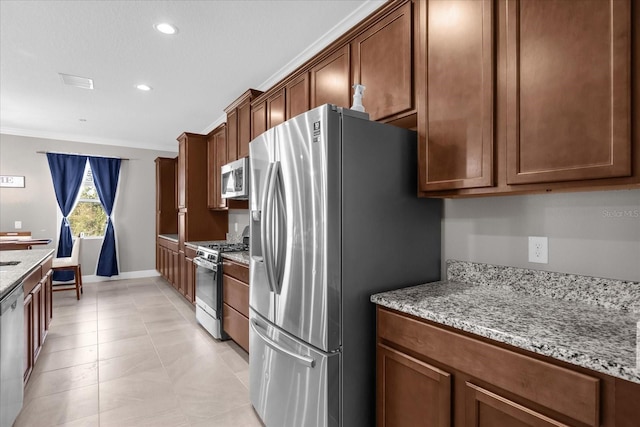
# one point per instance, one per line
(204, 264)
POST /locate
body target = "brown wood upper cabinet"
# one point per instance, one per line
(330, 80)
(267, 111)
(382, 60)
(166, 208)
(297, 95)
(217, 157)
(239, 125)
(568, 90)
(521, 96)
(455, 114)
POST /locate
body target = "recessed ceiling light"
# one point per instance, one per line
(166, 28)
(144, 87)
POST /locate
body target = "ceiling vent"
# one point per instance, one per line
(81, 82)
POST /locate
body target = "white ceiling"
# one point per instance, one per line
(222, 49)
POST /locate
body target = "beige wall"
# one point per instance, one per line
(36, 206)
(590, 233)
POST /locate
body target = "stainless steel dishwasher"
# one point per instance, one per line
(11, 355)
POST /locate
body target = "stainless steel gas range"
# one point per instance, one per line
(208, 261)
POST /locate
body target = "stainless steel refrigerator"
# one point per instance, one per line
(334, 219)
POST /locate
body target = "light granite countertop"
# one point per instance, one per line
(12, 275)
(195, 244)
(585, 321)
(173, 237)
(239, 257)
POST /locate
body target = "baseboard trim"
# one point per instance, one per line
(124, 275)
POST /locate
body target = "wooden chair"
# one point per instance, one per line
(71, 263)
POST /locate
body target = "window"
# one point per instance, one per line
(88, 217)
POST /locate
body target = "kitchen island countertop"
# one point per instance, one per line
(12, 275)
(589, 322)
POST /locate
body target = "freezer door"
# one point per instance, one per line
(308, 273)
(291, 384)
(261, 159)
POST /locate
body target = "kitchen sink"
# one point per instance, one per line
(5, 263)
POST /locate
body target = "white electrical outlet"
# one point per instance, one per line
(539, 249)
(17, 225)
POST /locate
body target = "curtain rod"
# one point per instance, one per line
(79, 154)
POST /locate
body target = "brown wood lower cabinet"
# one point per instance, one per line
(169, 261)
(38, 312)
(235, 310)
(410, 390)
(432, 375)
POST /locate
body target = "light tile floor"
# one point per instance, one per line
(130, 353)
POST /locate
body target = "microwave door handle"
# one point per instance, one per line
(267, 227)
(306, 361)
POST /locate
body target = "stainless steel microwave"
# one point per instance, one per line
(235, 179)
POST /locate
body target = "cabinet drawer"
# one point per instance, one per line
(236, 325)
(238, 271)
(189, 252)
(559, 389)
(236, 294)
(46, 266)
(32, 280)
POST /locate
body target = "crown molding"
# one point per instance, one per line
(367, 8)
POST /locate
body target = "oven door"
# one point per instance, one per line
(207, 287)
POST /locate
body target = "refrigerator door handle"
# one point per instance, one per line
(281, 229)
(267, 225)
(307, 361)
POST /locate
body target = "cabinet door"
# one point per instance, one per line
(330, 80)
(182, 170)
(221, 154)
(411, 393)
(382, 60)
(232, 136)
(190, 271)
(182, 277)
(275, 109)
(48, 281)
(258, 118)
(244, 128)
(165, 195)
(455, 114)
(28, 336)
(297, 98)
(38, 321)
(486, 409)
(163, 262)
(568, 90)
(175, 267)
(212, 179)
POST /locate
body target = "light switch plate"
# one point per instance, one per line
(539, 249)
(17, 225)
